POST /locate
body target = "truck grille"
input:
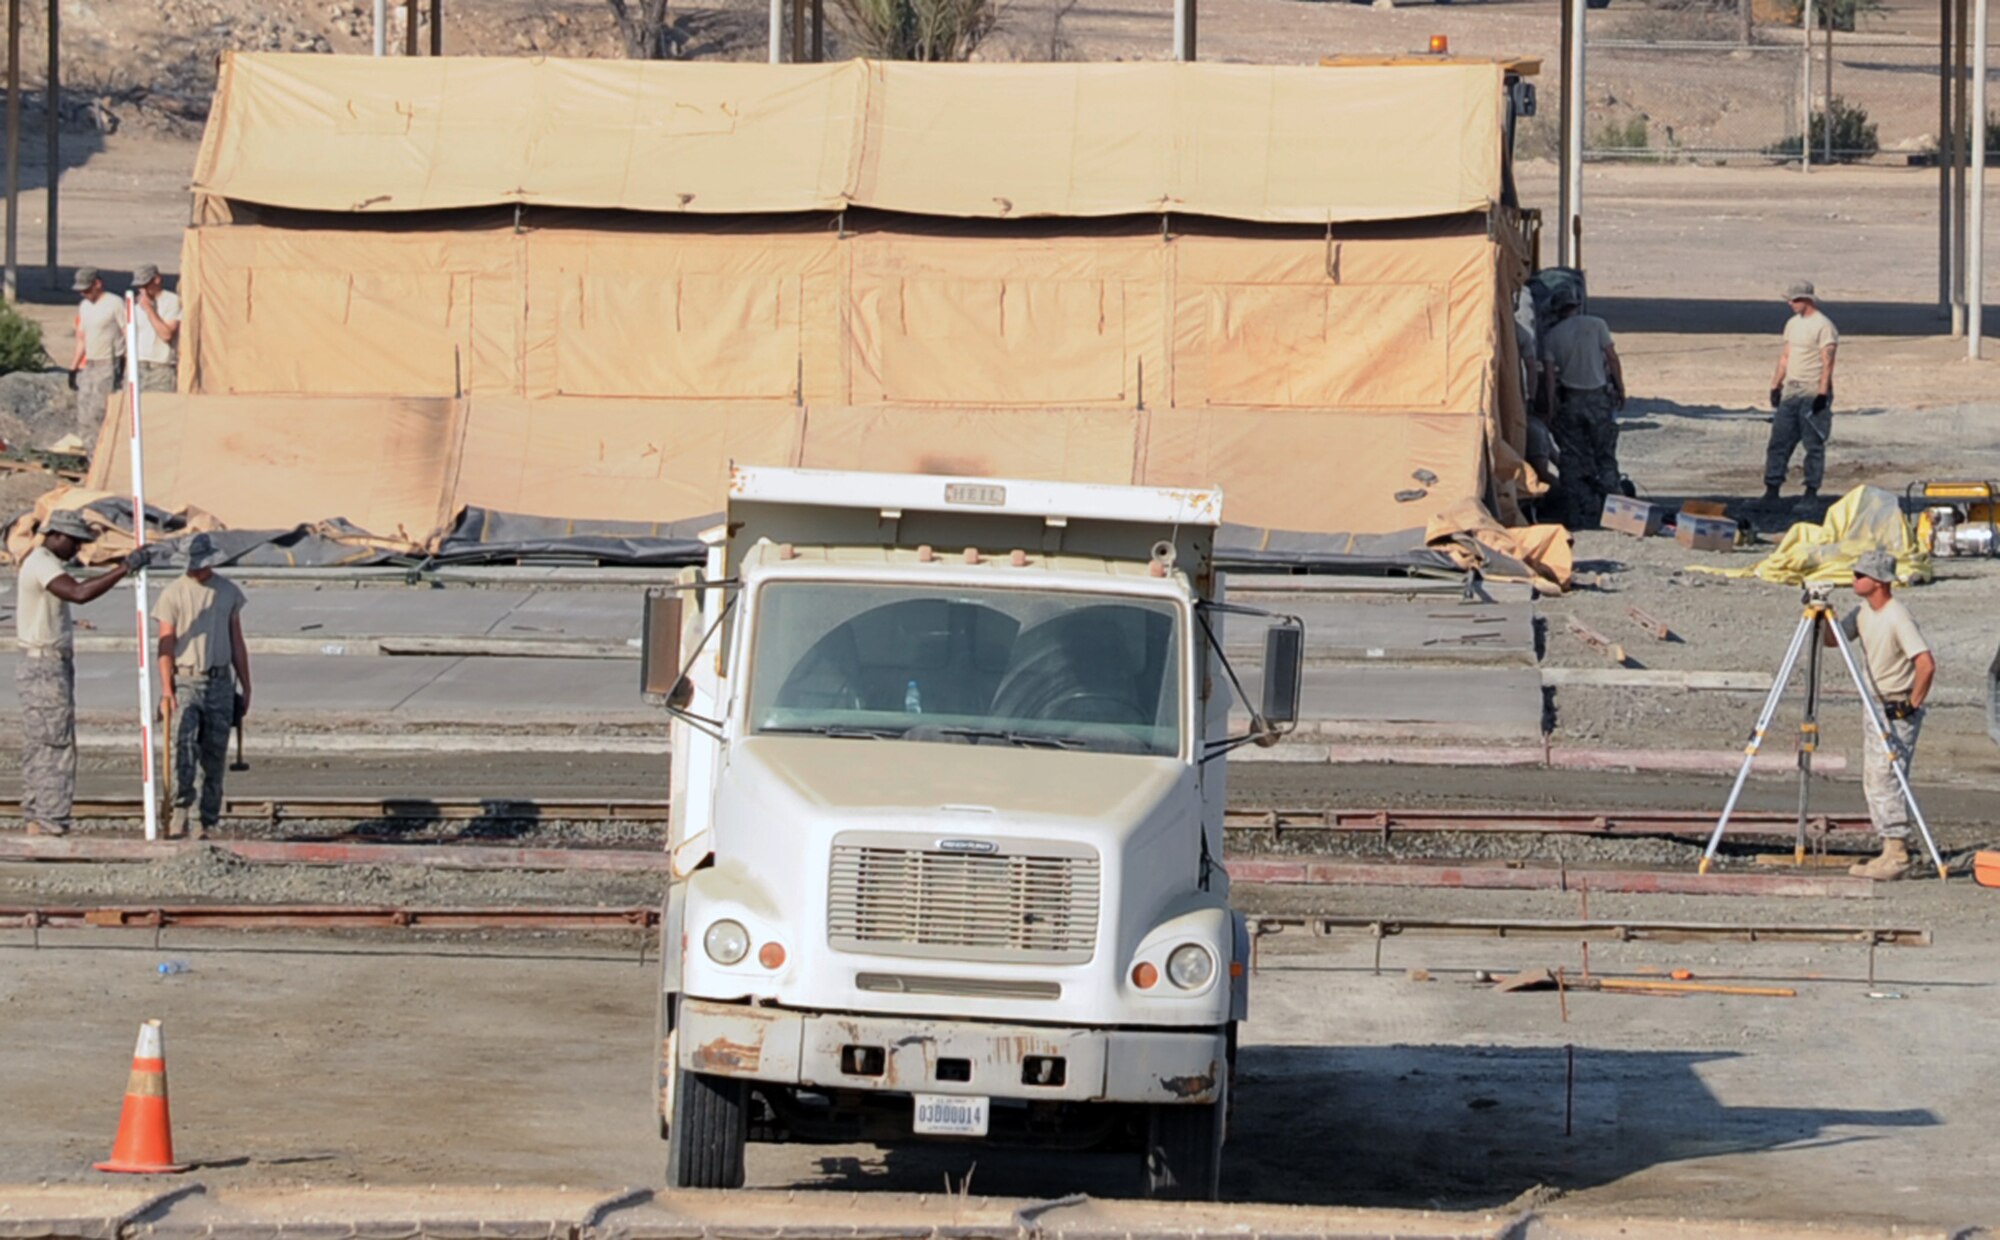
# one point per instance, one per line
(893, 899)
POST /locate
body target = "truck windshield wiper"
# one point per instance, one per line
(842, 730)
(1028, 739)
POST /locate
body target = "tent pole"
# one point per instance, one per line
(777, 31)
(13, 150)
(1184, 29)
(437, 27)
(1975, 248)
(53, 181)
(410, 24)
(1945, 123)
(381, 27)
(1574, 84)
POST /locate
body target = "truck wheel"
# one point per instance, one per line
(1184, 1151)
(711, 1126)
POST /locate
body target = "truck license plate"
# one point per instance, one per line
(951, 1116)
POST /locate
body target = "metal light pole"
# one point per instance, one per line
(381, 27)
(1184, 29)
(1570, 245)
(777, 31)
(1975, 241)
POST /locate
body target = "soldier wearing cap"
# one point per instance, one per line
(1588, 383)
(100, 351)
(45, 678)
(204, 666)
(159, 331)
(1900, 669)
(1802, 394)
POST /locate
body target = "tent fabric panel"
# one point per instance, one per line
(1281, 144)
(1306, 471)
(1066, 445)
(255, 463)
(677, 316)
(1390, 324)
(613, 460)
(986, 321)
(348, 314)
(362, 134)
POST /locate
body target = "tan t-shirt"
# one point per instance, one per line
(1575, 347)
(1806, 338)
(199, 613)
(41, 620)
(1890, 643)
(102, 323)
(151, 347)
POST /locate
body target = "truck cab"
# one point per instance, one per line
(946, 822)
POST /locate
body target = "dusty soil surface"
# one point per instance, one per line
(526, 1061)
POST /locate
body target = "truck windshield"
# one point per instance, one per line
(1039, 668)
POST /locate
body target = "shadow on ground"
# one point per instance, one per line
(1440, 1127)
(1727, 317)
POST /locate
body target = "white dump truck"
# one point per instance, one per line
(946, 821)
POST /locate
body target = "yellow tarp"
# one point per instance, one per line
(1292, 144)
(1865, 519)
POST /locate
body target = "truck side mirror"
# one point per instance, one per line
(660, 646)
(1284, 670)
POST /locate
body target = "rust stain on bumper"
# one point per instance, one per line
(727, 1057)
(1191, 1088)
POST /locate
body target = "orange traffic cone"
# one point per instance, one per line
(145, 1142)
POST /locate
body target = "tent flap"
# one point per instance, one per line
(1281, 144)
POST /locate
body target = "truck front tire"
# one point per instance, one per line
(1184, 1150)
(711, 1126)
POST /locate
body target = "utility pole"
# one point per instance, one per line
(1975, 241)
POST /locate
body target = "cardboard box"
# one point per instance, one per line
(1632, 516)
(1704, 508)
(1705, 533)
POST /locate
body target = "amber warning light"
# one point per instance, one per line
(1440, 45)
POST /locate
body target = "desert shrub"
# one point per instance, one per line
(919, 29)
(20, 342)
(1853, 133)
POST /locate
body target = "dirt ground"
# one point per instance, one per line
(345, 1061)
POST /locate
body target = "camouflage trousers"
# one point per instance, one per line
(156, 376)
(47, 689)
(1586, 430)
(1886, 806)
(204, 711)
(94, 385)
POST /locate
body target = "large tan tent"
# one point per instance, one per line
(605, 280)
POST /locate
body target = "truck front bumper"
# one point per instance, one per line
(811, 1049)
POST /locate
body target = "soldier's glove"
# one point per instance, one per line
(1822, 401)
(1777, 397)
(139, 558)
(1898, 710)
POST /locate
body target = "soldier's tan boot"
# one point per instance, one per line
(177, 823)
(1892, 864)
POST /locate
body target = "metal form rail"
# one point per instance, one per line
(1277, 821)
(1584, 930)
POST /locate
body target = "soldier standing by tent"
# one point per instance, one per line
(1802, 394)
(45, 678)
(100, 352)
(1588, 383)
(203, 661)
(159, 329)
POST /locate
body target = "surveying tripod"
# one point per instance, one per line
(1817, 622)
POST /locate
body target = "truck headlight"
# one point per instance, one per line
(726, 942)
(1191, 966)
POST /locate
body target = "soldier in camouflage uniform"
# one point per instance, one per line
(1588, 387)
(204, 668)
(45, 679)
